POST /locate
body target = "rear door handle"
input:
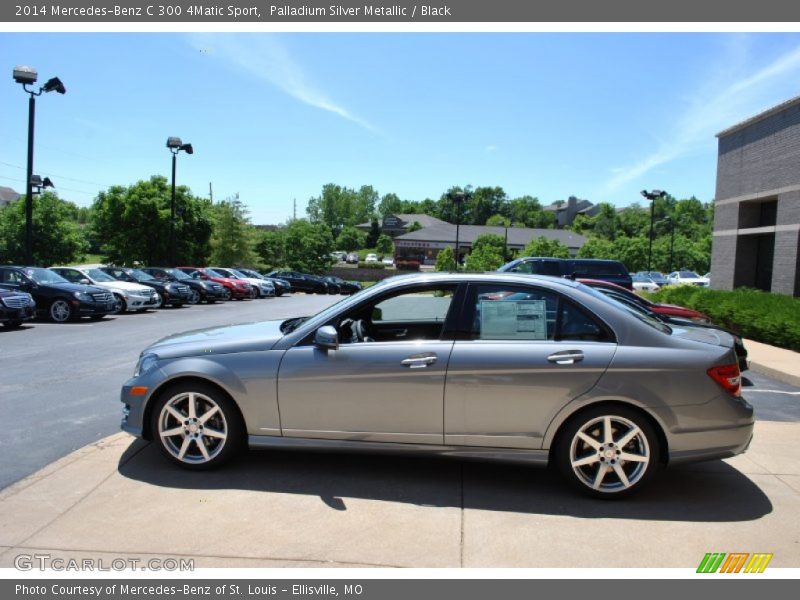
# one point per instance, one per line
(419, 361)
(567, 357)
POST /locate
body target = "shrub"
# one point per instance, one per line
(371, 265)
(769, 318)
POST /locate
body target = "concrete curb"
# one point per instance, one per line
(783, 365)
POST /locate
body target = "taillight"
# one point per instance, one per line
(728, 377)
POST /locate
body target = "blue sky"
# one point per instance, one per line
(274, 117)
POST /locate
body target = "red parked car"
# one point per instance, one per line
(235, 288)
(670, 310)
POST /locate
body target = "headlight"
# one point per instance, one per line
(83, 297)
(145, 364)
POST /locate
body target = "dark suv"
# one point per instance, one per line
(57, 297)
(302, 282)
(16, 307)
(577, 268)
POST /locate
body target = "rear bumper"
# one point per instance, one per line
(711, 445)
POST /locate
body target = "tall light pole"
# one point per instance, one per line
(458, 198)
(27, 76)
(175, 145)
(652, 196)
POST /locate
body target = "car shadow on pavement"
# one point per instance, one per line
(708, 492)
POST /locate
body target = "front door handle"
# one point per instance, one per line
(567, 357)
(419, 361)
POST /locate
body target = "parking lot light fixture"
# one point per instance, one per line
(652, 196)
(175, 145)
(27, 76)
(458, 198)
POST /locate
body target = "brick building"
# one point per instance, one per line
(757, 204)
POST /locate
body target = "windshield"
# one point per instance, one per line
(98, 275)
(213, 273)
(238, 274)
(44, 276)
(141, 275)
(250, 273)
(640, 313)
(177, 273)
(689, 275)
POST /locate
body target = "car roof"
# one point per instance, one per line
(489, 277)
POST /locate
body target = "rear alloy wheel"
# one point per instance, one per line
(197, 426)
(60, 311)
(608, 452)
(120, 306)
(194, 296)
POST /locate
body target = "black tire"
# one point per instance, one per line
(227, 420)
(210, 300)
(600, 454)
(60, 311)
(98, 317)
(228, 294)
(194, 296)
(120, 306)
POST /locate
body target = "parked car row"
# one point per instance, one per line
(65, 293)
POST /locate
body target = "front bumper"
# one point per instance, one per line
(24, 313)
(90, 309)
(136, 302)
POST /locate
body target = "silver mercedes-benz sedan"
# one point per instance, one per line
(496, 366)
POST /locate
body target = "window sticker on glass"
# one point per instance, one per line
(518, 320)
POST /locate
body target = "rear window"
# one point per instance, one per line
(596, 270)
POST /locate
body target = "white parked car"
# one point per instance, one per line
(643, 283)
(127, 295)
(687, 278)
(371, 258)
(388, 261)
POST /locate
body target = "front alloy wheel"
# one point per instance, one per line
(228, 294)
(194, 296)
(197, 427)
(120, 305)
(60, 311)
(608, 452)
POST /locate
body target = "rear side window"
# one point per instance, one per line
(597, 270)
(507, 312)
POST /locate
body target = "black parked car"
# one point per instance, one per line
(15, 308)
(301, 282)
(57, 297)
(577, 268)
(342, 286)
(199, 290)
(172, 294)
(281, 285)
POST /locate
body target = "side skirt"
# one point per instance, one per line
(536, 457)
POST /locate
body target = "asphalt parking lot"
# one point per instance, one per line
(59, 392)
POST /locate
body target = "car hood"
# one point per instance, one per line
(74, 287)
(126, 286)
(247, 337)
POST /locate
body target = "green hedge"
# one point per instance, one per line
(371, 265)
(769, 318)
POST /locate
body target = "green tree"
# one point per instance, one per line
(271, 249)
(338, 207)
(542, 246)
(308, 246)
(445, 260)
(598, 248)
(233, 237)
(499, 221)
(373, 235)
(132, 223)
(490, 240)
(415, 226)
(384, 245)
(390, 204)
(484, 258)
(485, 202)
(57, 237)
(350, 239)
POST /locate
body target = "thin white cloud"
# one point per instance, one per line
(268, 59)
(716, 106)
(492, 148)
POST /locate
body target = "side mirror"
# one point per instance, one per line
(326, 338)
(85, 281)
